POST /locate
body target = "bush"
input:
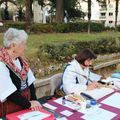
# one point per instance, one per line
(57, 52)
(8, 24)
(97, 27)
(64, 28)
(41, 28)
(63, 52)
(19, 25)
(55, 27)
(118, 28)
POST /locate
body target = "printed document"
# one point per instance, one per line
(113, 100)
(34, 115)
(49, 106)
(99, 114)
(99, 93)
(68, 104)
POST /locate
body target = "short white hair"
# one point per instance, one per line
(13, 35)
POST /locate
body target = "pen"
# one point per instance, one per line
(67, 100)
(74, 102)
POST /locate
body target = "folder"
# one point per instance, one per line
(116, 75)
(29, 114)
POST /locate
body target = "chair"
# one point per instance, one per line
(55, 82)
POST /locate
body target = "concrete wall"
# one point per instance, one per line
(46, 86)
(42, 87)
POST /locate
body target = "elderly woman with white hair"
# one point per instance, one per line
(16, 85)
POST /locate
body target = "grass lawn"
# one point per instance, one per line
(35, 40)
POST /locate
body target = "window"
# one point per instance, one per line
(110, 14)
(103, 14)
(110, 22)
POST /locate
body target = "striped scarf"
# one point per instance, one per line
(5, 58)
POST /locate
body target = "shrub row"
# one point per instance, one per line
(64, 28)
(62, 52)
(61, 27)
(6, 25)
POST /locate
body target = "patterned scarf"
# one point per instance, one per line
(5, 58)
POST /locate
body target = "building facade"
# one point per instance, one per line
(107, 13)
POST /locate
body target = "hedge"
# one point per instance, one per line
(64, 51)
(64, 28)
(54, 27)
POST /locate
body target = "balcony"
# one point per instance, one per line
(102, 17)
(103, 9)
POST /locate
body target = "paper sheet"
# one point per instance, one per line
(113, 100)
(109, 79)
(68, 104)
(90, 110)
(66, 113)
(49, 106)
(98, 93)
(62, 118)
(99, 114)
(34, 115)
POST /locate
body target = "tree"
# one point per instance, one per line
(59, 11)
(20, 5)
(58, 5)
(116, 13)
(6, 13)
(28, 15)
(73, 9)
(89, 14)
(63, 7)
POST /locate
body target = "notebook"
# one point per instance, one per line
(99, 93)
(28, 114)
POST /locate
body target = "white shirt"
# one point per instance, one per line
(6, 85)
(74, 71)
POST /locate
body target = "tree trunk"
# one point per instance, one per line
(31, 2)
(116, 14)
(89, 15)
(28, 14)
(20, 14)
(59, 11)
(6, 13)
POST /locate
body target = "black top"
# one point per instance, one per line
(16, 97)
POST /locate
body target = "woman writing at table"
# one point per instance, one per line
(16, 78)
(77, 76)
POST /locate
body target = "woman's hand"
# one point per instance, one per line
(94, 85)
(35, 105)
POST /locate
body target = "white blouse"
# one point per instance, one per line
(6, 85)
(74, 71)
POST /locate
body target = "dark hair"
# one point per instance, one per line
(84, 55)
